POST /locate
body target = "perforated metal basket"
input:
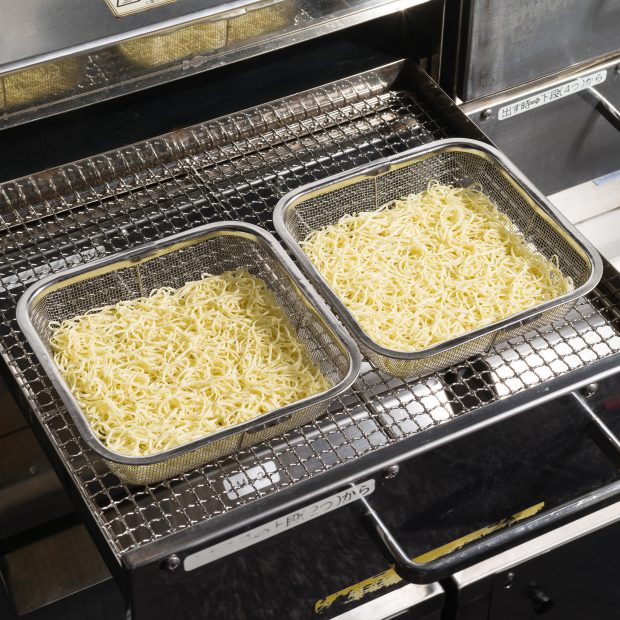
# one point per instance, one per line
(217, 32)
(172, 262)
(458, 162)
(39, 84)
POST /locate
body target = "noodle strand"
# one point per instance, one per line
(156, 372)
(432, 266)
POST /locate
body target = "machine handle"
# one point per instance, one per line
(442, 567)
(600, 433)
(603, 106)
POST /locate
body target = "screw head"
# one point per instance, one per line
(589, 389)
(486, 114)
(391, 472)
(509, 580)
(172, 562)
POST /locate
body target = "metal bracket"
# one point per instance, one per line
(599, 431)
(603, 106)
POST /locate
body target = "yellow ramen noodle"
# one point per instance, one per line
(159, 371)
(432, 266)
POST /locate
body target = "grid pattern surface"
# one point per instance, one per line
(237, 168)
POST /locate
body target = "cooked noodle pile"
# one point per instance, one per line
(431, 266)
(159, 371)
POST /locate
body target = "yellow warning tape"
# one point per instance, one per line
(390, 577)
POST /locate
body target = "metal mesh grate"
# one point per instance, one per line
(237, 168)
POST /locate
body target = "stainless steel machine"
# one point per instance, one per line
(542, 80)
(486, 488)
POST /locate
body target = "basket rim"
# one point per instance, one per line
(382, 166)
(143, 253)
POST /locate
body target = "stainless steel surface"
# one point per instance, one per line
(391, 472)
(57, 56)
(487, 106)
(237, 168)
(39, 31)
(507, 43)
(173, 562)
(563, 142)
(605, 107)
(172, 262)
(537, 546)
(422, 602)
(589, 390)
(455, 162)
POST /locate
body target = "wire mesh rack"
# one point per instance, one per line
(237, 168)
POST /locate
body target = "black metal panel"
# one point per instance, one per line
(11, 418)
(52, 568)
(508, 43)
(573, 582)
(543, 455)
(288, 576)
(30, 492)
(100, 602)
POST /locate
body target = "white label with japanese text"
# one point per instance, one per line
(279, 525)
(126, 7)
(535, 101)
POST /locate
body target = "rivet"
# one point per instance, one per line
(391, 472)
(486, 114)
(509, 580)
(589, 389)
(172, 562)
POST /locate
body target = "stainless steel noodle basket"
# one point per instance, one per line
(172, 262)
(461, 163)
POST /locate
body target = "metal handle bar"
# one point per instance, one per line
(603, 106)
(442, 567)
